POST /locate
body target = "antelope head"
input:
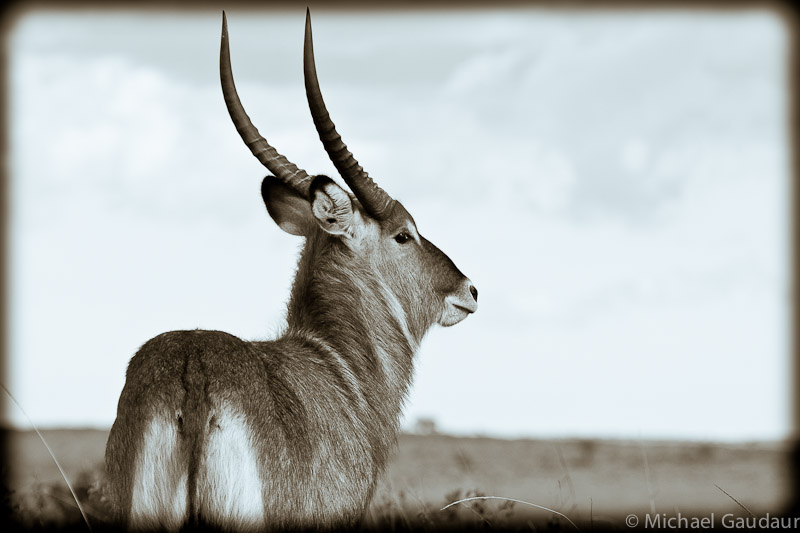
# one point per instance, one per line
(373, 231)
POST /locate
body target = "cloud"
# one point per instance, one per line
(615, 187)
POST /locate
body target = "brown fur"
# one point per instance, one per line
(323, 401)
(293, 432)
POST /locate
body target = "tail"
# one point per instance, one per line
(165, 483)
(199, 466)
(193, 427)
(223, 482)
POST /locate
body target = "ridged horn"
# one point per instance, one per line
(281, 167)
(374, 199)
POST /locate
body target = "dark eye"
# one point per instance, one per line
(402, 237)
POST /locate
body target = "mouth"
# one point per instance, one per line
(453, 314)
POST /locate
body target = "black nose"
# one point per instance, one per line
(474, 292)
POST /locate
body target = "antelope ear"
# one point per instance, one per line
(288, 208)
(331, 206)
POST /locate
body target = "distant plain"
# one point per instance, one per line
(590, 481)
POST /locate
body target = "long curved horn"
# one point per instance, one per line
(281, 167)
(374, 199)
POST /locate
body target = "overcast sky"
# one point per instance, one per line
(615, 184)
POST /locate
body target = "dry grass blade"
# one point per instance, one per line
(650, 492)
(740, 504)
(63, 475)
(565, 517)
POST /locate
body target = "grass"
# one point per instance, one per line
(593, 484)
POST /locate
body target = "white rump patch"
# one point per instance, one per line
(160, 482)
(229, 488)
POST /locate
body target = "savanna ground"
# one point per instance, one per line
(595, 483)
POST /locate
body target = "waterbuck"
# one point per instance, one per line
(294, 432)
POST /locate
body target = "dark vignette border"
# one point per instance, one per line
(13, 9)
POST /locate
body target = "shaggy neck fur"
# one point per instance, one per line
(353, 311)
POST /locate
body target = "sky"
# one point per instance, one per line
(615, 183)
